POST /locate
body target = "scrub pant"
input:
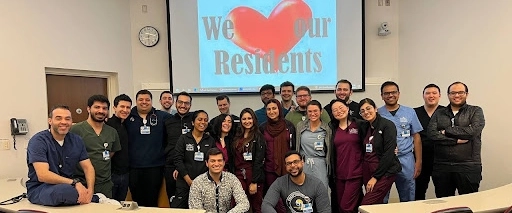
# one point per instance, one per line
(245, 179)
(104, 188)
(55, 195)
(120, 189)
(348, 193)
(380, 190)
(445, 183)
(170, 183)
(270, 178)
(424, 178)
(318, 168)
(145, 185)
(181, 198)
(405, 183)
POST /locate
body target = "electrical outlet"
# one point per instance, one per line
(4, 144)
(381, 2)
(388, 2)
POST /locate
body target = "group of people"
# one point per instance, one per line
(283, 157)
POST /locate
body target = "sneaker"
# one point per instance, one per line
(105, 200)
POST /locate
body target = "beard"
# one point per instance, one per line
(95, 119)
(298, 173)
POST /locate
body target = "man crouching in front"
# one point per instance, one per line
(52, 158)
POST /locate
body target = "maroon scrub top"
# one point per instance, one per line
(348, 153)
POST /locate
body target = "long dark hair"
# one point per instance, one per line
(217, 126)
(241, 130)
(334, 122)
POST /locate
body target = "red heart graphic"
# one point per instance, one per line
(279, 32)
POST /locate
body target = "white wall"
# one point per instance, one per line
(83, 35)
(469, 41)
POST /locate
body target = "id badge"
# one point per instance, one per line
(406, 133)
(199, 156)
(185, 131)
(369, 148)
(106, 155)
(145, 130)
(247, 156)
(319, 146)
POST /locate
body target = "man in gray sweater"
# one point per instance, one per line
(297, 189)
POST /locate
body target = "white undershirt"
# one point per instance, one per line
(61, 143)
(455, 112)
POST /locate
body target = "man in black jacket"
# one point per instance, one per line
(179, 124)
(457, 133)
(120, 161)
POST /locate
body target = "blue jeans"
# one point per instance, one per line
(120, 188)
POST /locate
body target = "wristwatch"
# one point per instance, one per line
(75, 181)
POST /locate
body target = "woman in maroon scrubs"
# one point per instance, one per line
(248, 154)
(279, 135)
(380, 163)
(222, 132)
(347, 173)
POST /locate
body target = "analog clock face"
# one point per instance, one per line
(148, 36)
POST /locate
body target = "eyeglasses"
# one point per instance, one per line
(14, 199)
(367, 109)
(453, 93)
(295, 162)
(390, 93)
(268, 93)
(180, 102)
(302, 96)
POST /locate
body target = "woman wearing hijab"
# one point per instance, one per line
(279, 134)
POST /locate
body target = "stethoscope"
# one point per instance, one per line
(153, 120)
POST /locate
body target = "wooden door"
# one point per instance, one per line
(74, 91)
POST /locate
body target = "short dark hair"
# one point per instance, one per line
(316, 103)
(344, 81)
(368, 101)
(185, 94)
(165, 92)
(214, 151)
(389, 83)
(122, 97)
(432, 86)
(268, 87)
(293, 152)
(287, 84)
(98, 98)
(303, 88)
(458, 82)
(50, 114)
(222, 97)
(144, 92)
